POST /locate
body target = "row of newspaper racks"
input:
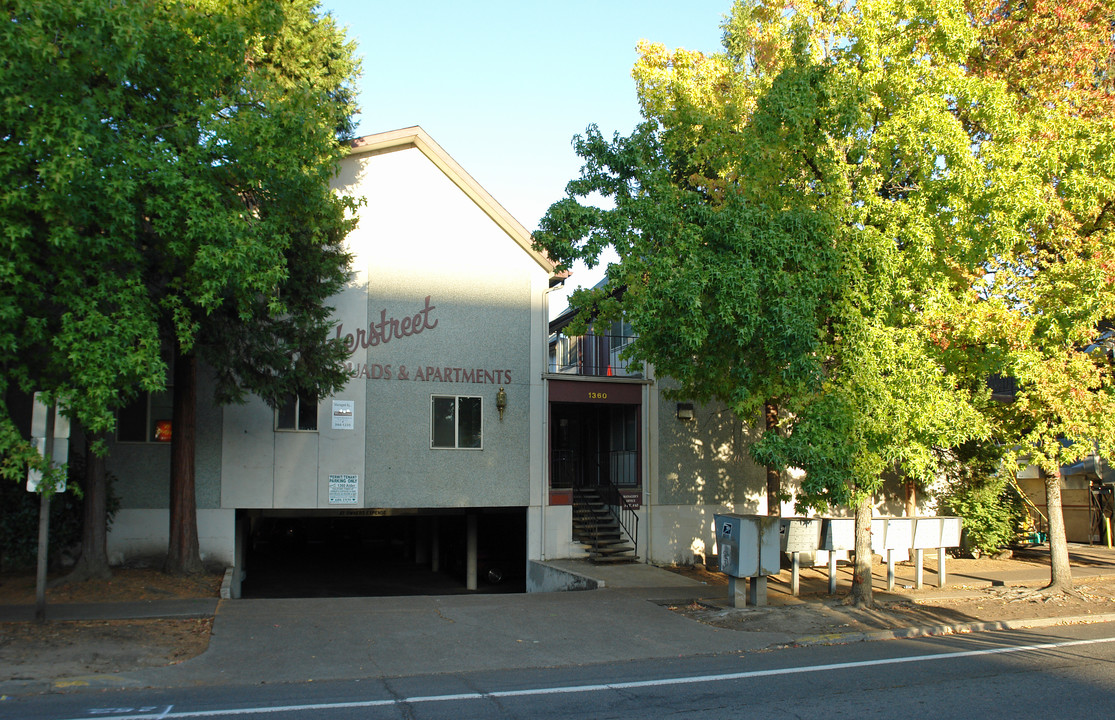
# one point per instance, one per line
(751, 546)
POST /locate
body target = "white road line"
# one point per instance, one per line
(661, 682)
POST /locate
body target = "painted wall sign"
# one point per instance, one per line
(344, 412)
(428, 373)
(388, 329)
(343, 489)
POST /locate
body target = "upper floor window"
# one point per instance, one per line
(298, 412)
(147, 418)
(456, 422)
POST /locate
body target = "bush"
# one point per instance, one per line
(994, 512)
(19, 519)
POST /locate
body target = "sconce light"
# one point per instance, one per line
(501, 402)
(685, 411)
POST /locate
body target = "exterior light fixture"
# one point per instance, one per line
(501, 402)
(685, 411)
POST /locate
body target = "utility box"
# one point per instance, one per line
(748, 545)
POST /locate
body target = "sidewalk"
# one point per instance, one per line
(633, 616)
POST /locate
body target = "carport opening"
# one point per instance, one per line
(288, 555)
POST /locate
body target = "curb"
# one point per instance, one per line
(937, 630)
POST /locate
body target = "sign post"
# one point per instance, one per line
(49, 433)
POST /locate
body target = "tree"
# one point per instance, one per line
(805, 217)
(168, 170)
(1046, 299)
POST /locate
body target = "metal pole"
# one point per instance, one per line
(44, 522)
(918, 564)
(795, 574)
(832, 572)
(890, 569)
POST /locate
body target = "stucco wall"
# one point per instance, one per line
(142, 470)
(441, 302)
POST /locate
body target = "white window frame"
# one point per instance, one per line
(456, 421)
(299, 399)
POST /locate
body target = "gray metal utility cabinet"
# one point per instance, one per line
(799, 535)
(748, 546)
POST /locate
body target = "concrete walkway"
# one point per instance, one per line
(627, 618)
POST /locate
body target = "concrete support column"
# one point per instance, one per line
(470, 572)
(435, 546)
(421, 541)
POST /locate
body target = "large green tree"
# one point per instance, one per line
(166, 169)
(808, 217)
(1046, 298)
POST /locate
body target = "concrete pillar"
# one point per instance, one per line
(421, 541)
(435, 546)
(470, 572)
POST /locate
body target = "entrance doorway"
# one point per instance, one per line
(594, 445)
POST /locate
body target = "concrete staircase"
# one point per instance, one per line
(595, 527)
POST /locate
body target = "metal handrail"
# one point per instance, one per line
(622, 511)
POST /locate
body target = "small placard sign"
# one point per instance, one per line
(344, 412)
(343, 489)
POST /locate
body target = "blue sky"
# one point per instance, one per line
(504, 86)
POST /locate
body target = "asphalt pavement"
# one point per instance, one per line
(258, 641)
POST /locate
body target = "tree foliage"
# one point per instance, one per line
(166, 168)
(845, 212)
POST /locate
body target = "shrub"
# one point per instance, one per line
(19, 519)
(993, 511)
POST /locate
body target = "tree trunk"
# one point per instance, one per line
(862, 591)
(911, 499)
(774, 479)
(93, 561)
(1060, 570)
(183, 556)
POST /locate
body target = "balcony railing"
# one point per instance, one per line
(569, 469)
(596, 355)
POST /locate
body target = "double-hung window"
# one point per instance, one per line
(456, 422)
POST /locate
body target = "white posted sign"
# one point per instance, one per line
(344, 412)
(343, 489)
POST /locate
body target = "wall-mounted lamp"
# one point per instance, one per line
(685, 411)
(501, 402)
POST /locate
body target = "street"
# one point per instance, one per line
(1065, 672)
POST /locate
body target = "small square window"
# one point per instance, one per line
(456, 422)
(297, 412)
(146, 418)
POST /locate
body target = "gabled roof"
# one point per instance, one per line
(416, 137)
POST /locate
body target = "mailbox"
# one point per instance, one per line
(839, 534)
(801, 535)
(891, 533)
(748, 544)
(927, 533)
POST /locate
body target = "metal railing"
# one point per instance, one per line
(623, 512)
(595, 355)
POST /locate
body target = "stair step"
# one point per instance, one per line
(613, 559)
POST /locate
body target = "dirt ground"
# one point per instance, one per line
(61, 649)
(815, 613)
